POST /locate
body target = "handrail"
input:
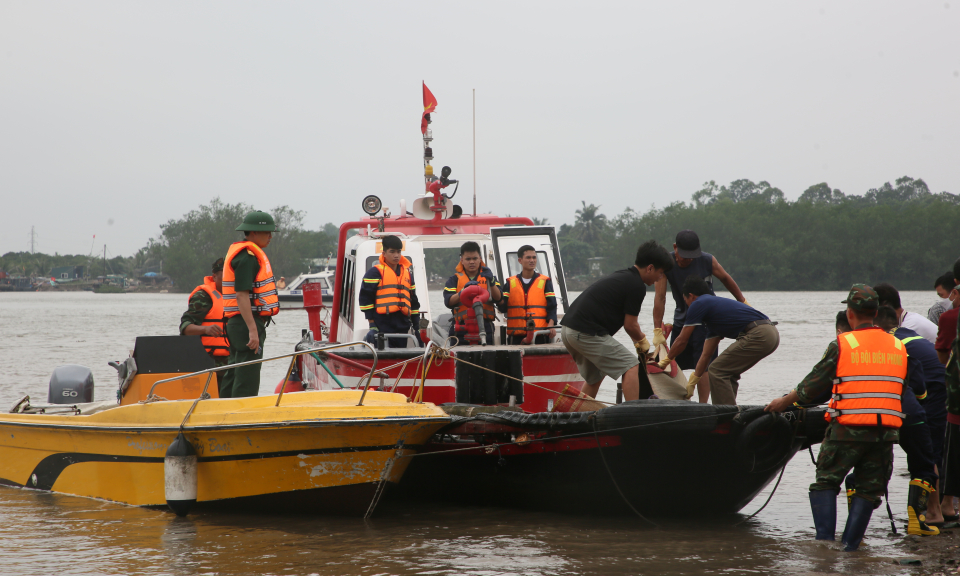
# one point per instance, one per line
(411, 337)
(545, 332)
(293, 355)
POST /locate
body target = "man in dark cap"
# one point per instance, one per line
(756, 338)
(870, 368)
(204, 317)
(689, 260)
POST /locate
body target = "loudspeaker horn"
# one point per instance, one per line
(421, 208)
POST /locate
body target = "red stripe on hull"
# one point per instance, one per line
(535, 395)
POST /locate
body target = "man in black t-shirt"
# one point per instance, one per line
(611, 303)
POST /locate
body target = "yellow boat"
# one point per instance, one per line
(318, 451)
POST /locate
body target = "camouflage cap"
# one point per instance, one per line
(862, 297)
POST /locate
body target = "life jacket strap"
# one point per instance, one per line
(839, 397)
(833, 412)
(868, 379)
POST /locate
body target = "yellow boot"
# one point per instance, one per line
(916, 506)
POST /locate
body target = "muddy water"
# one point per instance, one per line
(43, 533)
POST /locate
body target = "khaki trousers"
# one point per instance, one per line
(741, 356)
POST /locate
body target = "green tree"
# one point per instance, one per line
(589, 225)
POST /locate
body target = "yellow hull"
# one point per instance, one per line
(317, 450)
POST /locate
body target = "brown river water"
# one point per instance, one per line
(45, 533)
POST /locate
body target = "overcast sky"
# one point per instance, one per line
(118, 116)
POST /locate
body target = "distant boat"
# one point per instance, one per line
(293, 292)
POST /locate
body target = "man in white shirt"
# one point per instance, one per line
(889, 296)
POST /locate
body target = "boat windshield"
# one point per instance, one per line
(514, 268)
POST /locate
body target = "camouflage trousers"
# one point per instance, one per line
(871, 461)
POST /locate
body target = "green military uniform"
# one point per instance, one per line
(244, 380)
(868, 449)
(197, 309)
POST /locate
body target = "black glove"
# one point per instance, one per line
(489, 276)
(471, 283)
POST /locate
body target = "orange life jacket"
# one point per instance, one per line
(263, 296)
(393, 292)
(215, 345)
(869, 383)
(521, 305)
(460, 312)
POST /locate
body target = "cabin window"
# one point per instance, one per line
(347, 290)
(440, 264)
(513, 264)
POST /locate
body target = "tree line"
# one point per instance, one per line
(186, 247)
(900, 233)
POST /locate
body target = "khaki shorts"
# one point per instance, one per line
(597, 356)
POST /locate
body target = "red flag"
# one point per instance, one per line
(429, 105)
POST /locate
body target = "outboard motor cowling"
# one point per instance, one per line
(71, 384)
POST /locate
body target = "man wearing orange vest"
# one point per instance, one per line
(867, 369)
(204, 317)
(529, 299)
(250, 300)
(388, 297)
(470, 271)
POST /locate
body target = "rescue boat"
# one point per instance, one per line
(524, 434)
(167, 441)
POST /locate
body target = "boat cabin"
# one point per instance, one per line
(531, 376)
(434, 258)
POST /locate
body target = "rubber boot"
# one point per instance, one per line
(916, 506)
(823, 503)
(857, 522)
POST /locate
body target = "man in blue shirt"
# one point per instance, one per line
(756, 338)
(689, 260)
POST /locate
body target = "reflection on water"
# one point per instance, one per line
(43, 533)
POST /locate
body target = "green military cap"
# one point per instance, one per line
(257, 221)
(862, 297)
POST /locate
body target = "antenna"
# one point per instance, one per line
(474, 151)
(33, 237)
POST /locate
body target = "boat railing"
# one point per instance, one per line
(411, 337)
(293, 359)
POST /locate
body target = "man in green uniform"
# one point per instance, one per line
(866, 449)
(246, 330)
(192, 323)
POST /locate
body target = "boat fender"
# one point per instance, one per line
(180, 475)
(764, 443)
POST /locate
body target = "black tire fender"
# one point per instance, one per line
(764, 443)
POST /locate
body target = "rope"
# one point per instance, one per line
(774, 491)
(593, 419)
(777, 485)
(553, 438)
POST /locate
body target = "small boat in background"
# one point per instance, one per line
(293, 291)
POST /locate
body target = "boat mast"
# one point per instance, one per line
(474, 151)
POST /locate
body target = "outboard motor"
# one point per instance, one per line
(71, 384)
